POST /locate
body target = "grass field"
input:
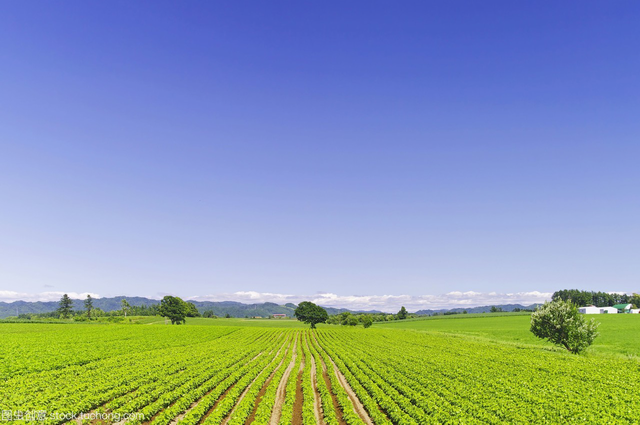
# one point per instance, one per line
(455, 369)
(260, 323)
(618, 332)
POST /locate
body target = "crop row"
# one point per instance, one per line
(286, 416)
(328, 410)
(33, 347)
(209, 400)
(264, 410)
(181, 398)
(259, 373)
(139, 377)
(169, 387)
(409, 377)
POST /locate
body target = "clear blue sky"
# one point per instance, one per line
(294, 147)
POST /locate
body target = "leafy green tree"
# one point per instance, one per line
(88, 305)
(351, 321)
(174, 309)
(209, 314)
(309, 313)
(227, 316)
(343, 318)
(334, 319)
(402, 314)
(495, 309)
(561, 323)
(367, 321)
(143, 310)
(124, 304)
(65, 306)
(191, 310)
(97, 312)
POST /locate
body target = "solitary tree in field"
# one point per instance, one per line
(124, 304)
(402, 314)
(64, 306)
(309, 313)
(561, 323)
(174, 309)
(88, 305)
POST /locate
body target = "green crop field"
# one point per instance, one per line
(200, 321)
(453, 370)
(618, 332)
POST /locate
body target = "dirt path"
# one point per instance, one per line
(246, 390)
(334, 399)
(359, 408)
(282, 386)
(317, 409)
(183, 414)
(222, 396)
(263, 390)
(297, 406)
(195, 403)
(215, 405)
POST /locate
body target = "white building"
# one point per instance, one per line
(635, 311)
(589, 310)
(608, 310)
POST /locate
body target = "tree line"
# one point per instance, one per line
(65, 310)
(367, 319)
(599, 299)
(173, 308)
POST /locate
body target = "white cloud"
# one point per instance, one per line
(389, 303)
(10, 296)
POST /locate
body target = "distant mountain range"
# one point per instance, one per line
(220, 308)
(483, 309)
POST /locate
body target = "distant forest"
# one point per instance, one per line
(599, 299)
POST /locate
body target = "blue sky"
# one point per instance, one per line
(295, 148)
